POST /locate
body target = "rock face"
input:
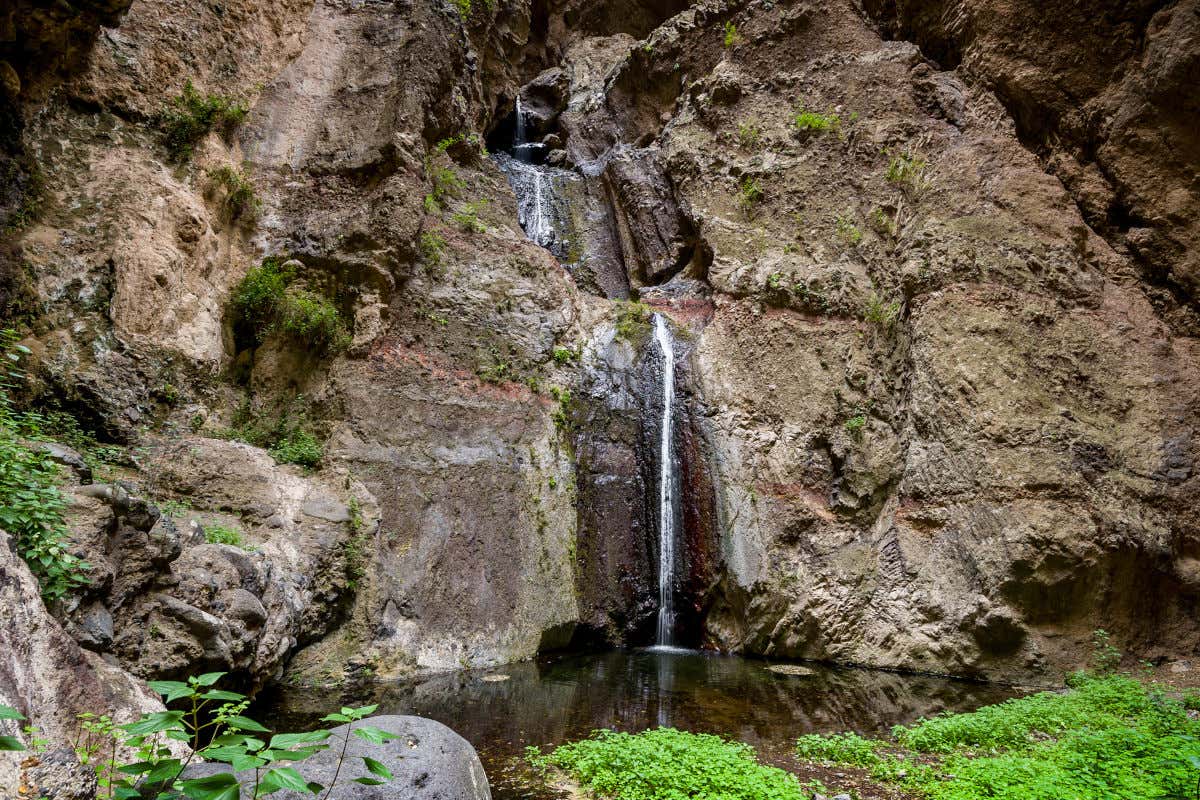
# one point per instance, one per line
(428, 761)
(47, 677)
(937, 274)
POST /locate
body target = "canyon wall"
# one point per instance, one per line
(942, 374)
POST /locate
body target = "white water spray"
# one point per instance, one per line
(520, 132)
(666, 490)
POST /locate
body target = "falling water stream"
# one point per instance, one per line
(666, 490)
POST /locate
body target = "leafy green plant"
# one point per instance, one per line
(840, 748)
(498, 371)
(1105, 656)
(732, 37)
(565, 355)
(298, 447)
(433, 248)
(191, 115)
(31, 506)
(463, 7)
(223, 534)
(847, 231)
(212, 722)
(668, 764)
(241, 201)
(877, 312)
(467, 217)
(8, 742)
(633, 320)
(908, 171)
(750, 194)
(285, 435)
(855, 425)
(268, 299)
(749, 134)
(807, 121)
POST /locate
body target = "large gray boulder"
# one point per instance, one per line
(429, 762)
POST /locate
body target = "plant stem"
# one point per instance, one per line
(341, 760)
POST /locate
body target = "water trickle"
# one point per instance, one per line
(666, 490)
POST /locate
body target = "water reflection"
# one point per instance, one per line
(555, 701)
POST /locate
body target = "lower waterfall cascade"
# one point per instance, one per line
(667, 533)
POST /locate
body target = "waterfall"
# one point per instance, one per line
(666, 489)
(519, 136)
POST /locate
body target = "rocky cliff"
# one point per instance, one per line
(935, 277)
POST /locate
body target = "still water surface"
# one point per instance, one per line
(565, 698)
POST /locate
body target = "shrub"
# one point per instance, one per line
(267, 300)
(241, 201)
(731, 35)
(749, 134)
(191, 115)
(298, 447)
(468, 216)
(668, 764)
(880, 313)
(463, 7)
(31, 506)
(222, 534)
(633, 320)
(565, 355)
(750, 194)
(847, 231)
(433, 249)
(215, 728)
(908, 171)
(814, 122)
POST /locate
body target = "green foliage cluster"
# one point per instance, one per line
(285, 436)
(908, 171)
(433, 250)
(855, 425)
(241, 201)
(1108, 738)
(881, 313)
(732, 37)
(467, 217)
(223, 534)
(269, 299)
(633, 320)
(565, 355)
(815, 122)
(668, 764)
(750, 194)
(213, 724)
(749, 134)
(191, 115)
(847, 231)
(31, 506)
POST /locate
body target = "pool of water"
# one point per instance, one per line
(503, 710)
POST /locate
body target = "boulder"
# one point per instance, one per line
(428, 762)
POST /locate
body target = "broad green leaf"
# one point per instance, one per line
(221, 694)
(369, 781)
(298, 753)
(375, 735)
(10, 743)
(244, 762)
(335, 718)
(360, 712)
(155, 723)
(208, 678)
(171, 690)
(287, 778)
(377, 769)
(285, 740)
(166, 770)
(241, 723)
(221, 786)
(8, 712)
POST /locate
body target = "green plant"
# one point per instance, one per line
(433, 248)
(668, 764)
(173, 508)
(732, 37)
(847, 231)
(223, 534)
(633, 320)
(241, 201)
(1105, 656)
(840, 748)
(750, 194)
(498, 371)
(565, 355)
(877, 312)
(298, 447)
(31, 506)
(213, 723)
(855, 425)
(468, 216)
(908, 171)
(8, 742)
(463, 7)
(885, 225)
(191, 115)
(749, 134)
(775, 280)
(814, 122)
(268, 299)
